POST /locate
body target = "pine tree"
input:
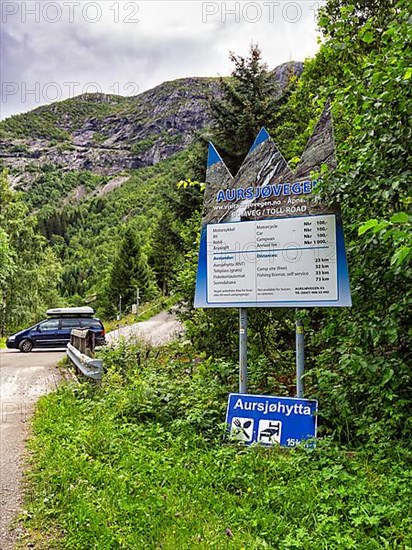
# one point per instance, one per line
(129, 271)
(166, 250)
(245, 104)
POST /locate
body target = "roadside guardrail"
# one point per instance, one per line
(80, 351)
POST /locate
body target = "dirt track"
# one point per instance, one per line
(158, 330)
(23, 379)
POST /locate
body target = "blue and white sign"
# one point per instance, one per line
(268, 420)
(266, 240)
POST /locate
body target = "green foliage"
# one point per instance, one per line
(396, 231)
(129, 271)
(53, 185)
(57, 121)
(6, 258)
(165, 137)
(142, 464)
(244, 105)
(143, 145)
(86, 236)
(29, 270)
(196, 165)
(358, 358)
(166, 243)
(365, 15)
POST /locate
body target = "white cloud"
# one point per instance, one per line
(138, 42)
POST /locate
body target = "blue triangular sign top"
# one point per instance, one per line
(262, 136)
(213, 156)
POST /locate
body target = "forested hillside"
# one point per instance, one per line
(94, 166)
(146, 461)
(358, 357)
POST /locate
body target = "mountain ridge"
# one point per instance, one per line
(106, 134)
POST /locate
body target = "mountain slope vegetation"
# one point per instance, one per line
(105, 134)
(143, 460)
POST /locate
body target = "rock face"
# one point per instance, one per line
(110, 134)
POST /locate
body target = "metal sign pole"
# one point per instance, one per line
(300, 357)
(242, 350)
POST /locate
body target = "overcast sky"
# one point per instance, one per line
(54, 50)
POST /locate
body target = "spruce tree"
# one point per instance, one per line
(245, 103)
(129, 271)
(166, 250)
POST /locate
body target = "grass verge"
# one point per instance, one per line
(139, 462)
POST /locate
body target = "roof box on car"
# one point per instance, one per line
(84, 311)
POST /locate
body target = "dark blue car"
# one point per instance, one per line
(55, 331)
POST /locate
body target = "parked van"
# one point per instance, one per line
(54, 332)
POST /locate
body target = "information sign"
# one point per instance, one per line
(268, 420)
(272, 260)
(266, 239)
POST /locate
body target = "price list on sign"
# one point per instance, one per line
(273, 260)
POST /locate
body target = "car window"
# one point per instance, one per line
(51, 324)
(71, 323)
(91, 323)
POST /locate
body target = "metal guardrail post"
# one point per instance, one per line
(80, 351)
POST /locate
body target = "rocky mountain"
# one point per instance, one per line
(106, 135)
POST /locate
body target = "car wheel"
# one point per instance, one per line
(26, 346)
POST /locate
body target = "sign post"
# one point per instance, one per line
(243, 350)
(135, 307)
(268, 241)
(119, 311)
(300, 357)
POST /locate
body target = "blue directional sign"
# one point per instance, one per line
(268, 420)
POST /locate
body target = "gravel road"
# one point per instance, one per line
(23, 379)
(158, 330)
